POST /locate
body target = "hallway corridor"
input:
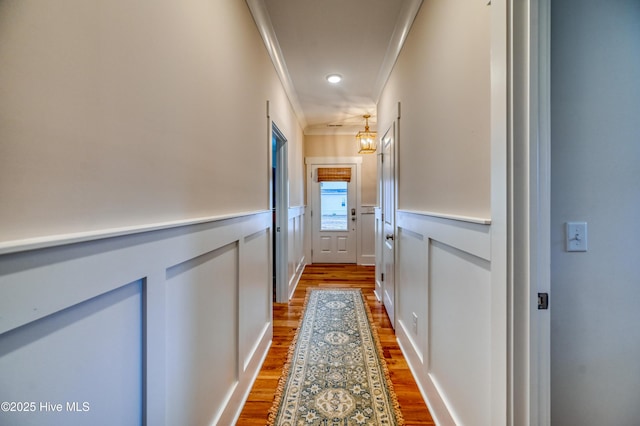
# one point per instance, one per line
(285, 323)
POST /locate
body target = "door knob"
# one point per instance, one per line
(389, 237)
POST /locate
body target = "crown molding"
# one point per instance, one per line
(260, 15)
(403, 25)
(262, 20)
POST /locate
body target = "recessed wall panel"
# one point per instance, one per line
(255, 291)
(460, 332)
(201, 336)
(412, 287)
(78, 366)
(367, 230)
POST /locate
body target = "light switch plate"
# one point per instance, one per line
(576, 236)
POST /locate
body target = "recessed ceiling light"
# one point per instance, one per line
(334, 78)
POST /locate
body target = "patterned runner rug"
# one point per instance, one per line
(335, 373)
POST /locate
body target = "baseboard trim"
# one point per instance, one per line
(234, 406)
(293, 284)
(430, 395)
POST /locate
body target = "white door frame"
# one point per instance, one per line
(529, 205)
(317, 161)
(394, 130)
(281, 233)
(334, 255)
(540, 208)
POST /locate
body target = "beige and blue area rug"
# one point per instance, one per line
(335, 373)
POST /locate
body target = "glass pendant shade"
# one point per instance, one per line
(366, 142)
(366, 139)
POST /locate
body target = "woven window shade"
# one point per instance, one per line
(334, 174)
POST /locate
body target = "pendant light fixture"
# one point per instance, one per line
(366, 139)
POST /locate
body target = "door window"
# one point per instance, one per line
(333, 206)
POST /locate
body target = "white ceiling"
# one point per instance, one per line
(358, 39)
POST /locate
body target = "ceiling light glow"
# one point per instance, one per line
(334, 78)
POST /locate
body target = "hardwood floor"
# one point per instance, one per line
(286, 318)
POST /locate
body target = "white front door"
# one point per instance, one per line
(334, 214)
(388, 222)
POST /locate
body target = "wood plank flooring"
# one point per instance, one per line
(286, 318)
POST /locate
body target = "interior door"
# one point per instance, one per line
(334, 214)
(388, 206)
(280, 200)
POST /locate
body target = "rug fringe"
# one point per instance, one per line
(273, 411)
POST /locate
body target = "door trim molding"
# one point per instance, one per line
(529, 208)
(316, 161)
(281, 208)
(542, 236)
(531, 147)
(393, 127)
(501, 108)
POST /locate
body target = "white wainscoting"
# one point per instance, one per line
(296, 249)
(366, 240)
(378, 235)
(162, 327)
(443, 312)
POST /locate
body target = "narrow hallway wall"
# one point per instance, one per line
(128, 113)
(444, 295)
(442, 81)
(595, 142)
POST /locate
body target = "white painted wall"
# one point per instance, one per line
(120, 114)
(595, 142)
(442, 79)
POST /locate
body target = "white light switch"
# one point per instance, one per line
(576, 236)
